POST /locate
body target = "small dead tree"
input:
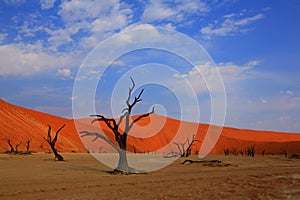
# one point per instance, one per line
(190, 144)
(185, 152)
(53, 141)
(242, 153)
(234, 152)
(17, 146)
(181, 148)
(120, 135)
(226, 152)
(28, 141)
(251, 151)
(11, 146)
(263, 152)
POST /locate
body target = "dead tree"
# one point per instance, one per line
(17, 146)
(226, 152)
(11, 146)
(28, 141)
(251, 151)
(181, 148)
(234, 152)
(53, 141)
(190, 144)
(12, 149)
(263, 152)
(120, 135)
(242, 153)
(185, 152)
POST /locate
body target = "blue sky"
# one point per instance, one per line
(254, 44)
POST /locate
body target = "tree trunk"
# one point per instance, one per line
(123, 163)
(56, 154)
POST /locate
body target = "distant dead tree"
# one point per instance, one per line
(263, 152)
(53, 141)
(226, 152)
(284, 151)
(185, 152)
(234, 152)
(180, 148)
(11, 146)
(28, 141)
(251, 150)
(120, 135)
(190, 144)
(242, 153)
(12, 149)
(17, 146)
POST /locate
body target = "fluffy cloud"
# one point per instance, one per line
(231, 24)
(47, 4)
(202, 75)
(158, 10)
(25, 59)
(2, 37)
(65, 72)
(96, 19)
(14, 2)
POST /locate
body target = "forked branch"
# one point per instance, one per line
(98, 135)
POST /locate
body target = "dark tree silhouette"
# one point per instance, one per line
(190, 144)
(185, 152)
(120, 135)
(226, 152)
(17, 146)
(251, 150)
(263, 152)
(11, 146)
(28, 141)
(53, 141)
(12, 149)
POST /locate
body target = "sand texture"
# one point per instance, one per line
(38, 176)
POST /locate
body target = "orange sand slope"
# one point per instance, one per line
(20, 124)
(150, 134)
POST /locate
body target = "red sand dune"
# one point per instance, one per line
(19, 124)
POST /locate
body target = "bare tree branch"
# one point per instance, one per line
(98, 135)
(106, 120)
(130, 92)
(11, 146)
(178, 146)
(56, 135)
(140, 117)
(121, 118)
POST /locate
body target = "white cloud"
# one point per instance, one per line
(3, 37)
(47, 4)
(65, 72)
(262, 100)
(288, 92)
(230, 73)
(97, 19)
(175, 11)
(231, 25)
(14, 2)
(285, 118)
(157, 11)
(29, 59)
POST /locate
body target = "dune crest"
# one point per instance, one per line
(19, 124)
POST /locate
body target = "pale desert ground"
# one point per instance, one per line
(38, 176)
